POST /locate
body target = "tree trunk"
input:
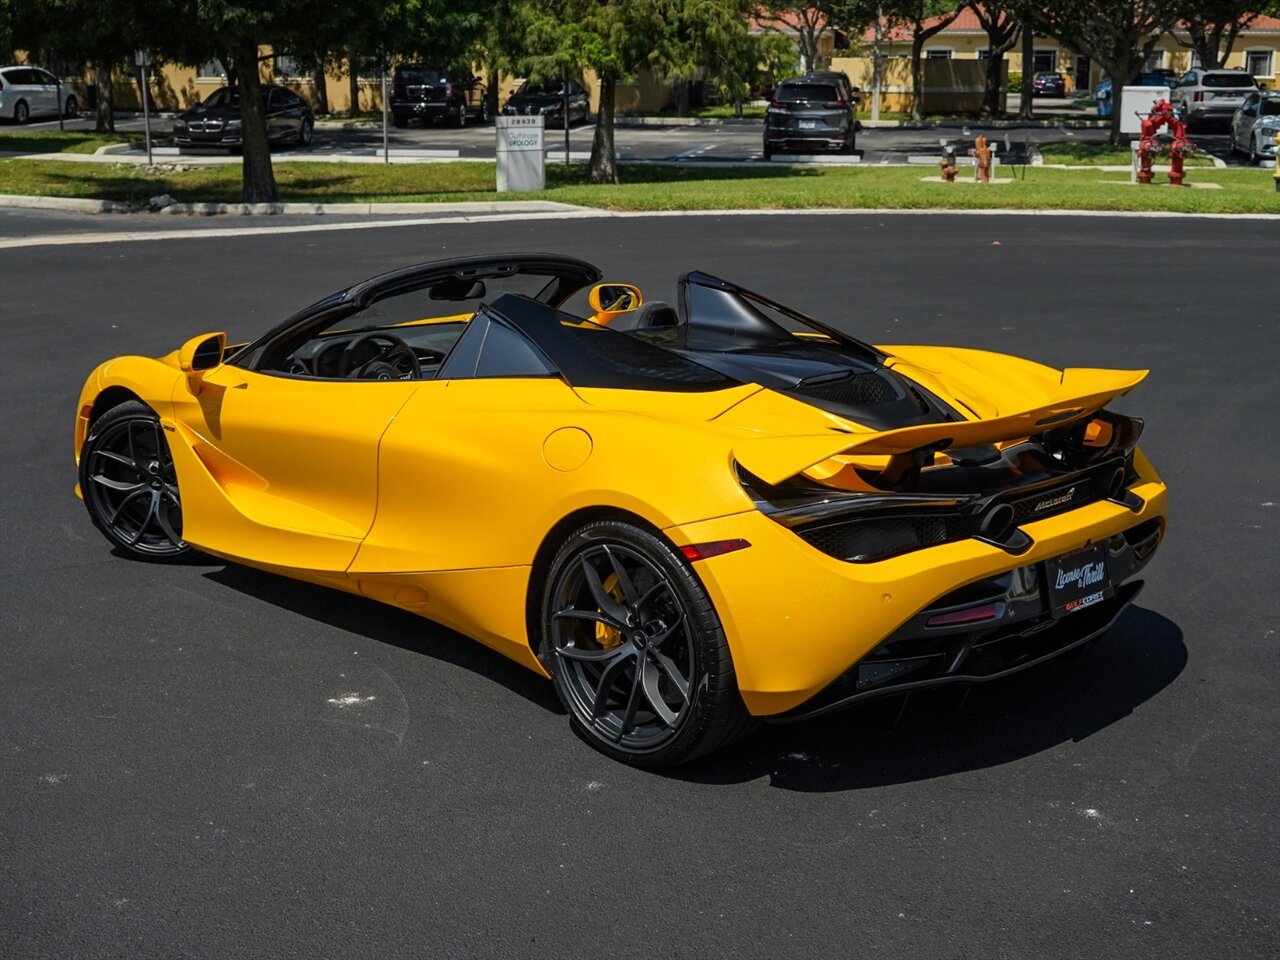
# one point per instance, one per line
(1025, 110)
(321, 85)
(105, 113)
(604, 168)
(353, 88)
(259, 180)
(991, 84)
(917, 77)
(682, 98)
(493, 76)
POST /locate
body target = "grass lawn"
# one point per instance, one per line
(1080, 153)
(59, 141)
(682, 188)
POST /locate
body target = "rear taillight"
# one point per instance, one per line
(832, 105)
(701, 551)
(1199, 97)
(985, 611)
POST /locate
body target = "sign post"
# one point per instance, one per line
(142, 58)
(522, 161)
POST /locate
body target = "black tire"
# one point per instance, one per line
(70, 108)
(636, 650)
(306, 132)
(460, 116)
(768, 152)
(129, 485)
(484, 111)
(1255, 154)
(21, 112)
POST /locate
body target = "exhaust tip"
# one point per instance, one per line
(1115, 488)
(998, 523)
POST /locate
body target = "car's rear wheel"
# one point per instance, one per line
(460, 116)
(636, 650)
(305, 133)
(129, 485)
(71, 108)
(21, 112)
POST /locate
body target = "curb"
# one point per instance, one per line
(348, 209)
(67, 204)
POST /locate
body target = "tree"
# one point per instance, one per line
(1118, 34)
(1001, 23)
(926, 19)
(1212, 28)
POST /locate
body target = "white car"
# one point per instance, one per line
(1208, 95)
(27, 91)
(1255, 125)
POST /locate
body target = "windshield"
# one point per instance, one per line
(531, 89)
(226, 97)
(802, 92)
(1221, 80)
(421, 75)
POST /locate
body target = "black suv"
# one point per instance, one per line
(433, 93)
(809, 114)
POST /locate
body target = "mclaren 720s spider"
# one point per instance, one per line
(689, 516)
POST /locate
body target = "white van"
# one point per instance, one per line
(27, 92)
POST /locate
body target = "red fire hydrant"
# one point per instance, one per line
(1148, 148)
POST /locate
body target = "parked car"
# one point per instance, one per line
(547, 99)
(437, 93)
(805, 115)
(1049, 85)
(217, 122)
(1211, 95)
(27, 91)
(1255, 124)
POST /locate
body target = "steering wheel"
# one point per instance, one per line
(393, 359)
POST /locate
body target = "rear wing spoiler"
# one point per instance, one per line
(1082, 391)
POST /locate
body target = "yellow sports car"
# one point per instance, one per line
(688, 516)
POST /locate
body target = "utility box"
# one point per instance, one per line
(1135, 106)
(522, 161)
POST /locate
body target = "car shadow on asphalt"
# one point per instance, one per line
(389, 625)
(945, 731)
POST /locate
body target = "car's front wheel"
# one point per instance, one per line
(129, 485)
(70, 108)
(636, 650)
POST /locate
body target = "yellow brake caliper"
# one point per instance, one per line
(609, 637)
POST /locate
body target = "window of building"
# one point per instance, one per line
(287, 66)
(984, 53)
(939, 53)
(1154, 62)
(1259, 63)
(211, 69)
(1044, 61)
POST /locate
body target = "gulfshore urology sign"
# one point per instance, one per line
(522, 162)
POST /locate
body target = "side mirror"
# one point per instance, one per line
(199, 355)
(610, 299)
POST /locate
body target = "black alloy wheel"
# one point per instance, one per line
(636, 650)
(129, 485)
(21, 112)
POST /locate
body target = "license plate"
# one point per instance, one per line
(808, 124)
(1078, 580)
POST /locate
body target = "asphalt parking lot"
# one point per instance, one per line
(715, 143)
(184, 770)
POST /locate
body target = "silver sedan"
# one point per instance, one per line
(1255, 124)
